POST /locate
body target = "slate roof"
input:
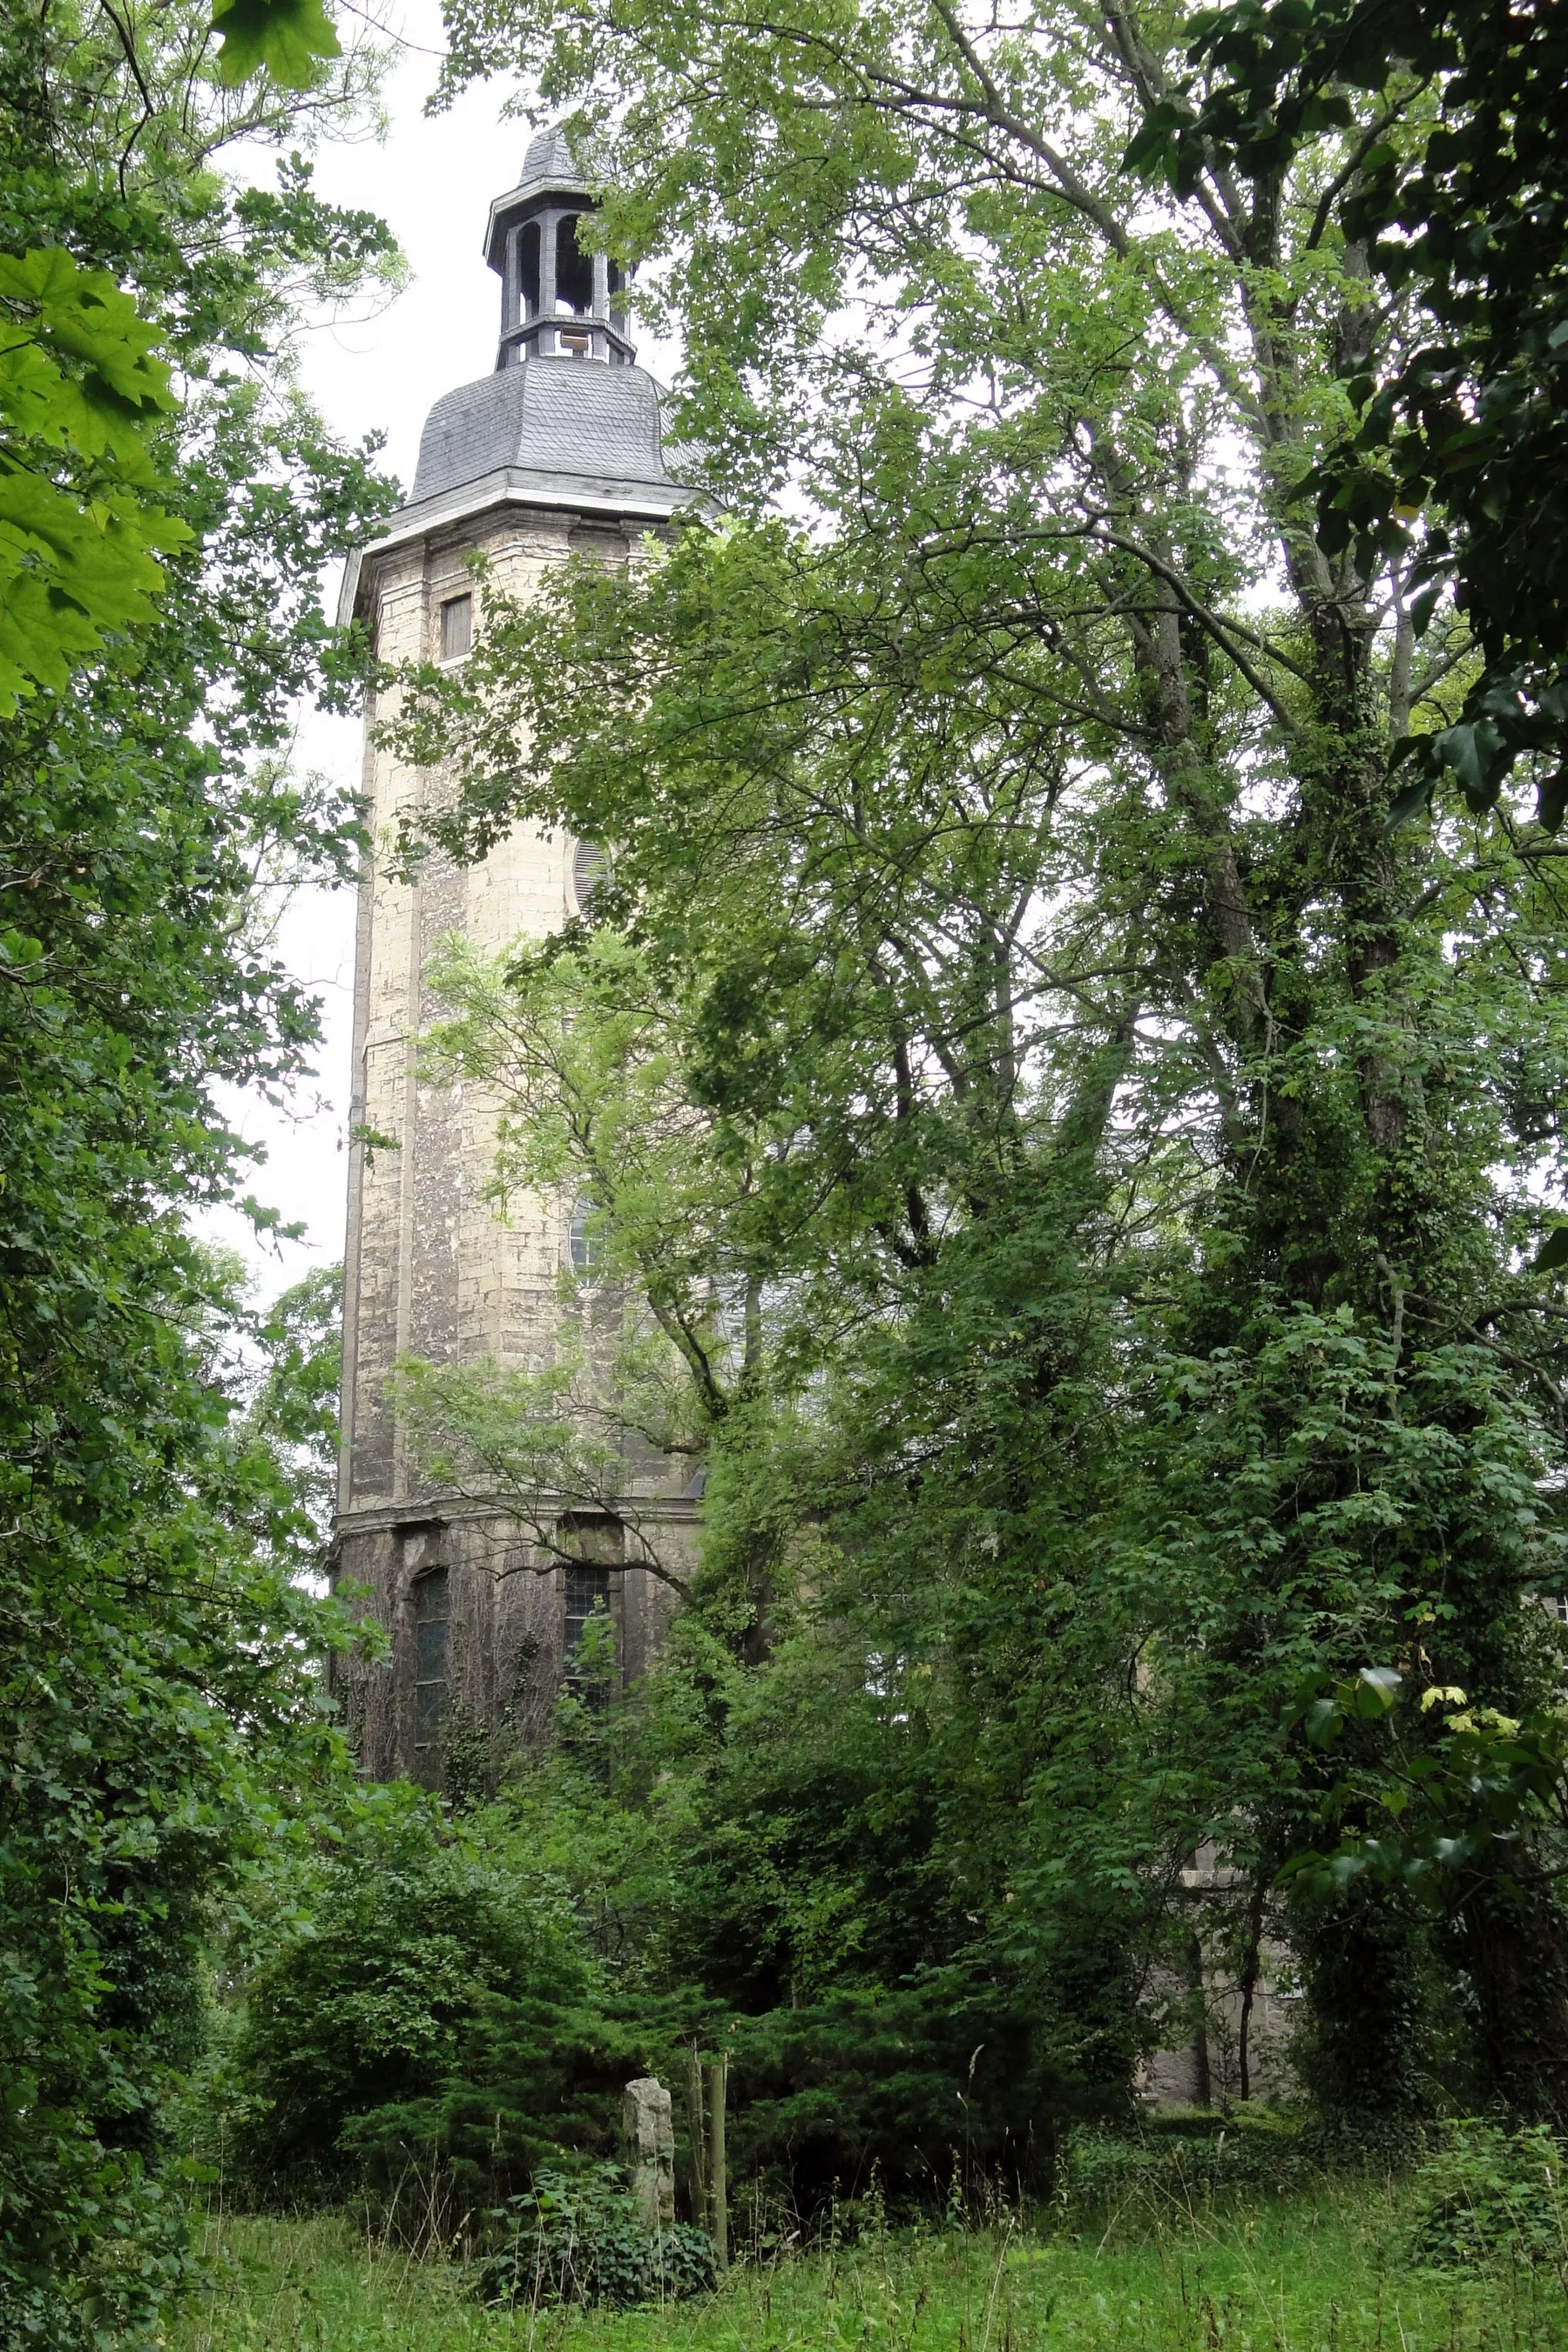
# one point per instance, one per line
(552, 416)
(549, 162)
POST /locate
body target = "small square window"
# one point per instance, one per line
(456, 628)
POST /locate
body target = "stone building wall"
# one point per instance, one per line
(1204, 2068)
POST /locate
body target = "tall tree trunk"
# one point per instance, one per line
(1513, 1944)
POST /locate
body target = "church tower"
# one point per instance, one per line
(557, 451)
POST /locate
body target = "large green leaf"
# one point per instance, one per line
(290, 38)
(81, 385)
(1553, 1255)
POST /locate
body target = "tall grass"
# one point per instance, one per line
(1327, 2271)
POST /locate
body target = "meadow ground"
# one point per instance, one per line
(1321, 2271)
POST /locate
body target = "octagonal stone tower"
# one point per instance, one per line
(558, 450)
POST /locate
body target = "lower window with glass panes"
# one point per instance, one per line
(589, 1635)
(432, 1628)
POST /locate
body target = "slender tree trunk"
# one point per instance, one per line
(718, 2184)
(1513, 1946)
(698, 2139)
(1203, 2078)
(1249, 1966)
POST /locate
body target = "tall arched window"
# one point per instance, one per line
(574, 271)
(528, 269)
(587, 1596)
(593, 1573)
(584, 1240)
(432, 1627)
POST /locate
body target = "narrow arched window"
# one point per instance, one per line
(574, 271)
(432, 1628)
(587, 1596)
(589, 1634)
(528, 269)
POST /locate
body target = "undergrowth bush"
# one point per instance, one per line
(1184, 2158)
(436, 2009)
(900, 2080)
(1490, 2196)
(579, 2239)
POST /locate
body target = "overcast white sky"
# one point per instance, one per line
(432, 180)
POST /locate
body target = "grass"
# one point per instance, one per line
(1317, 2273)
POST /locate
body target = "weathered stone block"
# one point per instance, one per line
(649, 2136)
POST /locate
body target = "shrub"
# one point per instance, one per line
(1180, 2158)
(580, 2241)
(905, 2081)
(1488, 2195)
(436, 2007)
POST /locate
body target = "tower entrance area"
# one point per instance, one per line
(559, 448)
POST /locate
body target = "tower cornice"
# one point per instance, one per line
(517, 489)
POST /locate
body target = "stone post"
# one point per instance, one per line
(649, 2137)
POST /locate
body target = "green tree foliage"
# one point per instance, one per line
(160, 1698)
(78, 382)
(292, 1415)
(1085, 1170)
(448, 2002)
(291, 38)
(1456, 181)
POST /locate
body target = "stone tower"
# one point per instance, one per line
(558, 450)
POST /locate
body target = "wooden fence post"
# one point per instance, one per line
(718, 2186)
(699, 2137)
